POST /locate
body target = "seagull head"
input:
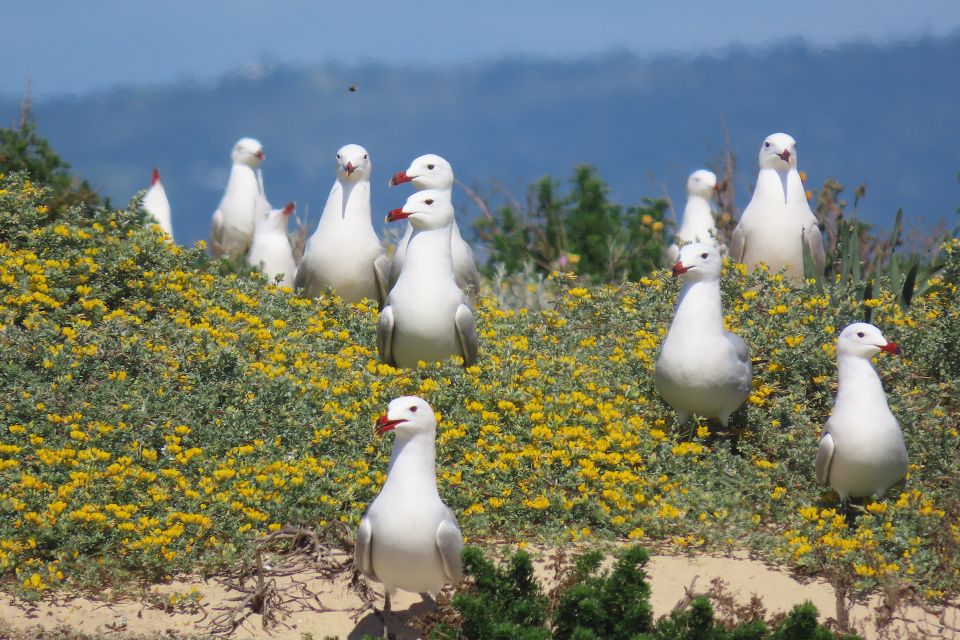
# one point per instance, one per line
(407, 415)
(426, 172)
(865, 340)
(698, 261)
(702, 183)
(249, 152)
(277, 219)
(353, 163)
(778, 151)
(425, 210)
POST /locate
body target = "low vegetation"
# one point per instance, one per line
(159, 414)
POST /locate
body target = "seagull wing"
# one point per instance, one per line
(216, 229)
(385, 336)
(814, 240)
(824, 457)
(363, 550)
(450, 544)
(738, 243)
(467, 335)
(468, 276)
(381, 271)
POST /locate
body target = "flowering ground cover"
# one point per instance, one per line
(157, 415)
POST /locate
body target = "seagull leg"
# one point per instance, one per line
(386, 615)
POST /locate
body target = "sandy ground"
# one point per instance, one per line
(670, 576)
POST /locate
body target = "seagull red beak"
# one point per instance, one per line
(385, 424)
(892, 348)
(679, 269)
(350, 168)
(397, 214)
(260, 154)
(155, 176)
(399, 178)
(785, 156)
(289, 207)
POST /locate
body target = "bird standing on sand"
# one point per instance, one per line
(344, 253)
(270, 250)
(426, 316)
(231, 230)
(861, 451)
(430, 171)
(409, 539)
(778, 222)
(703, 369)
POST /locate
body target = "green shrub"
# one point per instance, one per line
(501, 603)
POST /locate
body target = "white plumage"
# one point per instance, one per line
(426, 316)
(703, 369)
(155, 202)
(778, 221)
(697, 224)
(409, 539)
(270, 250)
(861, 451)
(430, 171)
(344, 253)
(231, 229)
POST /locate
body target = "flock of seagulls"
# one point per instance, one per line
(409, 539)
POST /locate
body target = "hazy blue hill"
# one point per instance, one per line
(887, 116)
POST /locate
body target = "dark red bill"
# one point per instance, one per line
(679, 269)
(399, 178)
(397, 214)
(385, 424)
(892, 348)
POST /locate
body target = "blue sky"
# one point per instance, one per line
(77, 47)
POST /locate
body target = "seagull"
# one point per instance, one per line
(426, 316)
(231, 230)
(861, 450)
(409, 539)
(697, 224)
(344, 253)
(433, 172)
(270, 249)
(778, 220)
(703, 369)
(156, 204)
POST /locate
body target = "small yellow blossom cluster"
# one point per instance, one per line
(158, 414)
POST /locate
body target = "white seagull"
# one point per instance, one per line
(344, 253)
(156, 204)
(231, 229)
(426, 316)
(409, 539)
(861, 450)
(703, 369)
(697, 223)
(433, 172)
(270, 250)
(778, 220)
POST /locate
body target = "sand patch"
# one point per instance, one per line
(670, 576)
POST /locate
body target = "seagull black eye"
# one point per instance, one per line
(413, 409)
(429, 201)
(766, 144)
(704, 255)
(364, 156)
(430, 166)
(859, 334)
(338, 156)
